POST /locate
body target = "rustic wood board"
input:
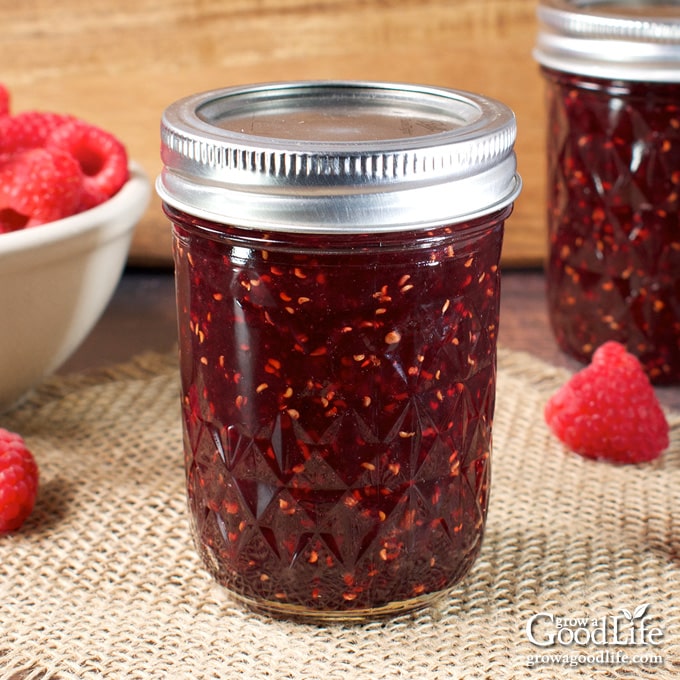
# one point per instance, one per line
(119, 63)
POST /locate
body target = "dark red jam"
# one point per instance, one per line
(614, 218)
(338, 394)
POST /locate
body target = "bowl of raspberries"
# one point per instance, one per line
(69, 202)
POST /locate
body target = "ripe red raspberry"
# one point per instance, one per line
(38, 186)
(609, 410)
(4, 100)
(102, 157)
(54, 165)
(18, 481)
(28, 129)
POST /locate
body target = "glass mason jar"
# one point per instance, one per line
(612, 69)
(337, 266)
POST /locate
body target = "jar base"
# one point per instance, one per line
(301, 614)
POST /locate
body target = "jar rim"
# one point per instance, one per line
(338, 155)
(618, 39)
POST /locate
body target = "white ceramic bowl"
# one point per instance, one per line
(55, 282)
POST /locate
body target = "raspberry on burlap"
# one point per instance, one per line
(609, 410)
(18, 481)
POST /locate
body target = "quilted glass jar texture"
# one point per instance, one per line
(612, 73)
(338, 357)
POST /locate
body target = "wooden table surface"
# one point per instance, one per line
(141, 317)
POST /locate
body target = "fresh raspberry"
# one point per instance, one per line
(18, 481)
(102, 157)
(4, 101)
(54, 165)
(609, 410)
(38, 186)
(28, 129)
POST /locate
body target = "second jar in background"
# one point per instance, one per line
(613, 89)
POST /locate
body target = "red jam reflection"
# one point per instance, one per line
(614, 218)
(338, 394)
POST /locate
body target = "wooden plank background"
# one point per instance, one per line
(118, 63)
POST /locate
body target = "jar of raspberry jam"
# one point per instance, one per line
(337, 253)
(612, 69)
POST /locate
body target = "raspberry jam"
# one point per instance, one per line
(613, 269)
(614, 208)
(338, 387)
(339, 396)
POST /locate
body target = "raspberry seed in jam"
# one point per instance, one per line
(613, 270)
(338, 316)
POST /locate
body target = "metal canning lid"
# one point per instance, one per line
(615, 39)
(328, 156)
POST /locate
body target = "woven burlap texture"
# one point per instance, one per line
(104, 582)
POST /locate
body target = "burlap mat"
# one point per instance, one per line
(104, 582)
